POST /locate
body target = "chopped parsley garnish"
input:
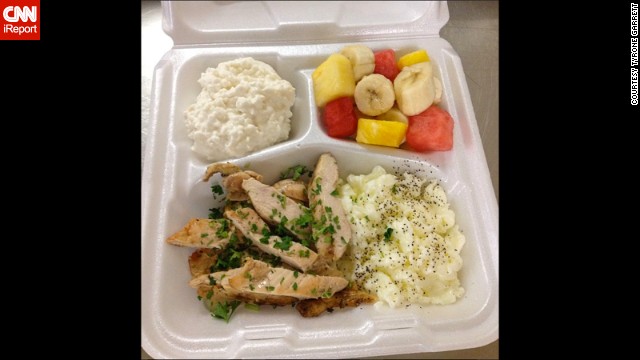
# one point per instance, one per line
(329, 229)
(243, 215)
(387, 234)
(272, 260)
(257, 254)
(248, 276)
(224, 311)
(295, 274)
(212, 281)
(295, 172)
(335, 192)
(270, 288)
(251, 287)
(209, 294)
(284, 244)
(304, 220)
(303, 253)
(223, 231)
(281, 229)
(215, 213)
(230, 258)
(252, 307)
(318, 188)
(265, 235)
(199, 298)
(235, 205)
(216, 189)
(319, 225)
(394, 189)
(204, 235)
(314, 291)
(283, 200)
(233, 239)
(295, 286)
(327, 294)
(254, 227)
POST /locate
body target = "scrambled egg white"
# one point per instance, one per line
(244, 106)
(406, 245)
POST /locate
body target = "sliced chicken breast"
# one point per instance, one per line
(224, 169)
(275, 208)
(331, 228)
(232, 177)
(203, 233)
(257, 277)
(233, 184)
(255, 229)
(201, 261)
(293, 189)
(341, 299)
(212, 294)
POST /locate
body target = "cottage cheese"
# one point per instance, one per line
(406, 245)
(244, 106)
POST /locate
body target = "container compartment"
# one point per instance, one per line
(174, 323)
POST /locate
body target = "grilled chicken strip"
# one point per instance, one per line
(294, 189)
(273, 207)
(232, 177)
(212, 294)
(203, 233)
(257, 277)
(255, 229)
(201, 261)
(331, 230)
(224, 169)
(341, 299)
(233, 184)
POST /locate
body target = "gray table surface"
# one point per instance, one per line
(472, 30)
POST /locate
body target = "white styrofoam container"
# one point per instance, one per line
(294, 38)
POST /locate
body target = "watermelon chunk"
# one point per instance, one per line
(431, 130)
(386, 64)
(339, 117)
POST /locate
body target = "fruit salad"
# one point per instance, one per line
(383, 100)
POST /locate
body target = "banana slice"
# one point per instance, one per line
(438, 88)
(362, 60)
(374, 95)
(394, 114)
(414, 88)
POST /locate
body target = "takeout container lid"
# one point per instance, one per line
(286, 22)
(294, 37)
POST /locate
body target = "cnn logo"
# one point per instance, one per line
(15, 13)
(20, 21)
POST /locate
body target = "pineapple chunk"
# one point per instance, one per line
(333, 79)
(413, 58)
(381, 132)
